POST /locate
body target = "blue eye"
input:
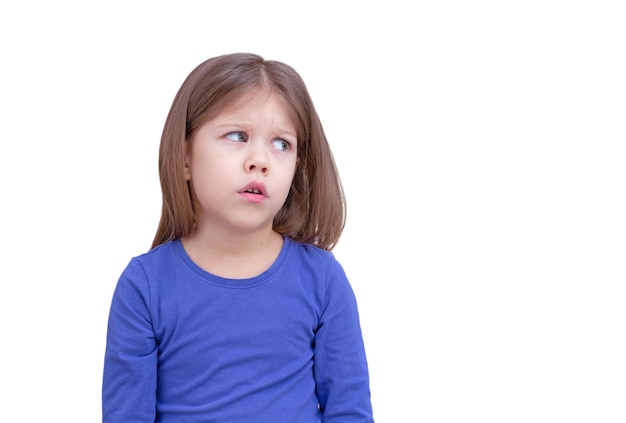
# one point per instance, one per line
(281, 145)
(236, 136)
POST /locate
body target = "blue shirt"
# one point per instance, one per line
(184, 345)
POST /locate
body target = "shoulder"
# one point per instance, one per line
(154, 261)
(157, 253)
(310, 255)
(317, 266)
(155, 257)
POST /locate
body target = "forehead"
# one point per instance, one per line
(258, 97)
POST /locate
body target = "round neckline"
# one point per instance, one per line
(229, 282)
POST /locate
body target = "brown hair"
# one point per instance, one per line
(315, 209)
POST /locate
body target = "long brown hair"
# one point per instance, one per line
(315, 209)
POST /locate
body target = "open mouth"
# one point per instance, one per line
(255, 191)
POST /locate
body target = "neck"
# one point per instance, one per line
(233, 256)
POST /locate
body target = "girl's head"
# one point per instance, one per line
(314, 211)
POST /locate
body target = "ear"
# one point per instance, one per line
(187, 163)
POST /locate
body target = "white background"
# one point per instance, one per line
(481, 146)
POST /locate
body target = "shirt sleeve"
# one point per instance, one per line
(130, 364)
(340, 366)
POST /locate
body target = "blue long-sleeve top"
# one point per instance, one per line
(184, 345)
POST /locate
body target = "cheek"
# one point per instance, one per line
(212, 175)
(292, 172)
(286, 177)
(208, 164)
(286, 165)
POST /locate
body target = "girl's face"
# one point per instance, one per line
(241, 164)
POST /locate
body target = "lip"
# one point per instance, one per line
(249, 192)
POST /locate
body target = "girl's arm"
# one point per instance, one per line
(129, 380)
(341, 371)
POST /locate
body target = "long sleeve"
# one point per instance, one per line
(130, 368)
(341, 371)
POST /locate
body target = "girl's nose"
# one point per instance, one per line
(252, 167)
(257, 160)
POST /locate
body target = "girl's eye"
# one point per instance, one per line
(281, 145)
(236, 136)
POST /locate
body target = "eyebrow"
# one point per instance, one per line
(287, 132)
(245, 125)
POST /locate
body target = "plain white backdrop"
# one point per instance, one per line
(482, 148)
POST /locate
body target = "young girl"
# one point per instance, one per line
(240, 312)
